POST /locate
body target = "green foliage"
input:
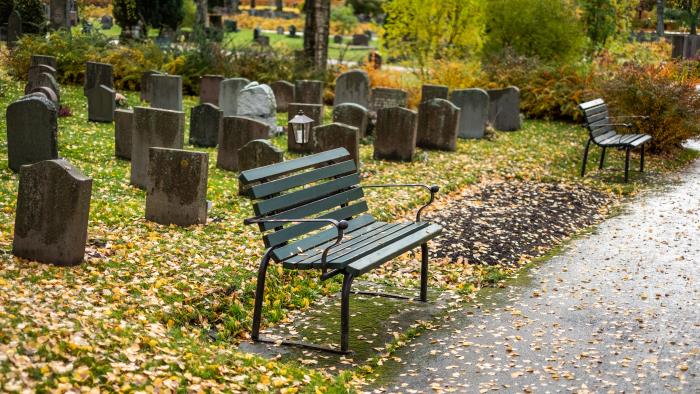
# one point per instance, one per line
(6, 7)
(370, 8)
(425, 30)
(345, 19)
(546, 29)
(126, 13)
(189, 9)
(33, 17)
(158, 14)
(599, 20)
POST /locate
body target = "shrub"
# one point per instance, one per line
(33, 17)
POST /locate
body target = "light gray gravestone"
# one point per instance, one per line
(352, 87)
(388, 98)
(474, 111)
(167, 92)
(257, 101)
(284, 94)
(228, 95)
(504, 108)
(308, 91)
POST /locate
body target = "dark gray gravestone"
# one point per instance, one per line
(254, 154)
(36, 70)
(32, 126)
(60, 14)
(388, 98)
(101, 104)
(257, 101)
(504, 108)
(292, 31)
(177, 187)
(123, 131)
(153, 127)
(395, 134)
(53, 205)
(360, 40)
(308, 91)
(337, 39)
(338, 135)
(167, 92)
(107, 22)
(313, 111)
(691, 46)
(236, 132)
(205, 124)
(147, 85)
(353, 115)
(263, 41)
(48, 93)
(44, 60)
(677, 44)
(352, 87)
(209, 86)
(14, 28)
(474, 111)
(97, 74)
(284, 94)
(38, 78)
(438, 120)
(429, 92)
(228, 95)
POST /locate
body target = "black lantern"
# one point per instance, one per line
(301, 125)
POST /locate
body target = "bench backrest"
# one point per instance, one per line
(324, 185)
(596, 116)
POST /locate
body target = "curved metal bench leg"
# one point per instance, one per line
(602, 159)
(424, 272)
(627, 163)
(585, 158)
(259, 295)
(345, 313)
(641, 161)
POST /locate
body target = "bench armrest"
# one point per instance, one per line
(340, 225)
(432, 189)
(629, 116)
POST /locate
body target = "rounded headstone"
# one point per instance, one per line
(474, 111)
(352, 87)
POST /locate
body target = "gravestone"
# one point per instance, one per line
(429, 92)
(53, 205)
(257, 101)
(228, 95)
(677, 44)
(32, 127)
(474, 111)
(438, 120)
(235, 133)
(337, 39)
(216, 21)
(14, 28)
(284, 94)
(107, 22)
(101, 104)
(280, 30)
(231, 26)
(97, 74)
(205, 124)
(209, 86)
(44, 60)
(167, 92)
(388, 98)
(504, 108)
(177, 187)
(42, 79)
(313, 111)
(263, 41)
(691, 46)
(257, 32)
(395, 134)
(48, 93)
(153, 127)
(352, 87)
(123, 131)
(308, 91)
(353, 115)
(292, 31)
(60, 14)
(258, 153)
(147, 85)
(338, 135)
(375, 60)
(360, 40)
(35, 71)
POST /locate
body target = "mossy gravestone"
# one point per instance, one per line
(284, 94)
(352, 87)
(308, 91)
(388, 98)
(438, 120)
(353, 115)
(153, 127)
(32, 127)
(254, 154)
(429, 92)
(228, 95)
(205, 125)
(395, 134)
(235, 133)
(53, 205)
(177, 187)
(338, 135)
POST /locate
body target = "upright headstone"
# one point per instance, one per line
(504, 108)
(53, 205)
(313, 111)
(236, 132)
(97, 74)
(254, 154)
(438, 120)
(123, 131)
(60, 14)
(388, 98)
(153, 127)
(44, 60)
(308, 91)
(338, 135)
(292, 31)
(429, 92)
(32, 127)
(257, 101)
(353, 115)
(228, 95)
(107, 22)
(36, 70)
(284, 94)
(395, 134)
(209, 86)
(677, 45)
(147, 85)
(177, 187)
(167, 92)
(42, 79)
(360, 40)
(48, 93)
(352, 87)
(337, 39)
(14, 28)
(205, 124)
(691, 46)
(474, 111)
(101, 104)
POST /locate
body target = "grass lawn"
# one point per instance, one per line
(136, 314)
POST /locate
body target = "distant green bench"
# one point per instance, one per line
(295, 199)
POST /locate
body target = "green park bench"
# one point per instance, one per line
(601, 131)
(296, 199)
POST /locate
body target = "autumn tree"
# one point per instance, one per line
(316, 30)
(692, 11)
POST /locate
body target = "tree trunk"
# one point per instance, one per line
(202, 16)
(318, 15)
(280, 5)
(252, 4)
(660, 6)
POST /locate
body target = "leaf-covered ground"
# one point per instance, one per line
(136, 315)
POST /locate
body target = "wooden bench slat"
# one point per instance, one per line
(380, 256)
(643, 139)
(314, 207)
(279, 185)
(321, 237)
(264, 207)
(596, 110)
(602, 137)
(593, 119)
(592, 103)
(279, 169)
(291, 232)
